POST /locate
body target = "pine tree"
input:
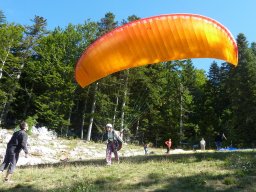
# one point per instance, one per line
(10, 39)
(242, 92)
(2, 17)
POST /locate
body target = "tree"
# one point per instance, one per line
(53, 77)
(105, 25)
(2, 17)
(28, 55)
(242, 91)
(79, 117)
(10, 39)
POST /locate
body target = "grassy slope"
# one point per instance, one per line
(220, 171)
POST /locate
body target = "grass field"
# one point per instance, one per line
(195, 172)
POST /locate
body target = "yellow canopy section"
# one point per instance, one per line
(155, 39)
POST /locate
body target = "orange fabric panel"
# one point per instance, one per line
(155, 39)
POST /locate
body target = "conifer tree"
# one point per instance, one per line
(242, 92)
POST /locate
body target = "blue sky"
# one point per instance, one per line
(237, 15)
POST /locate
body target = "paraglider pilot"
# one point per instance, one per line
(111, 138)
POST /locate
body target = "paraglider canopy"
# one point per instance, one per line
(153, 40)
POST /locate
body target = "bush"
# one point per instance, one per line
(31, 121)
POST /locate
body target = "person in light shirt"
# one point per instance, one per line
(202, 144)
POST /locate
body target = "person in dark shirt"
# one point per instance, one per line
(218, 140)
(17, 142)
(145, 148)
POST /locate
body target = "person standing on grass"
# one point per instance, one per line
(111, 138)
(17, 142)
(202, 144)
(168, 144)
(218, 140)
(145, 148)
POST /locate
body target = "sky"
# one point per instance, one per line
(239, 16)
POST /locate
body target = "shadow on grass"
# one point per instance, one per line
(19, 188)
(156, 182)
(195, 183)
(151, 182)
(177, 158)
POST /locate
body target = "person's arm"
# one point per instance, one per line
(24, 143)
(118, 137)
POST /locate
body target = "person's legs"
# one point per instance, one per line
(218, 144)
(202, 147)
(6, 161)
(114, 150)
(8, 176)
(4, 165)
(13, 161)
(116, 155)
(108, 154)
(146, 150)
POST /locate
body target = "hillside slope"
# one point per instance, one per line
(45, 147)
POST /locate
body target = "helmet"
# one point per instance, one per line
(109, 125)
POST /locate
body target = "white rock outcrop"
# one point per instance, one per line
(45, 148)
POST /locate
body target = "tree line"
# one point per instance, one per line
(149, 104)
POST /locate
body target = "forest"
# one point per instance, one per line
(149, 104)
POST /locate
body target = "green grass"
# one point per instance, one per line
(196, 172)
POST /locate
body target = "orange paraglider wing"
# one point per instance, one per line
(155, 39)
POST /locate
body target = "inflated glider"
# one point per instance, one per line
(153, 40)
